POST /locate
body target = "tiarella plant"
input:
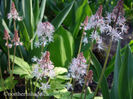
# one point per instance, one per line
(78, 71)
(96, 21)
(44, 70)
(52, 54)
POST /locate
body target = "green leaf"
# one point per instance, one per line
(19, 71)
(81, 12)
(22, 72)
(28, 16)
(131, 45)
(116, 73)
(104, 85)
(20, 62)
(42, 9)
(77, 15)
(24, 35)
(57, 87)
(78, 95)
(62, 15)
(62, 94)
(57, 51)
(62, 48)
(98, 98)
(126, 76)
(110, 67)
(68, 43)
(53, 6)
(36, 11)
(22, 68)
(3, 62)
(60, 70)
(8, 83)
(63, 77)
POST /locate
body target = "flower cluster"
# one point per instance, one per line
(44, 67)
(45, 33)
(44, 87)
(96, 37)
(77, 69)
(13, 13)
(94, 22)
(113, 25)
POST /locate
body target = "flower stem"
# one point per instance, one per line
(42, 47)
(85, 93)
(13, 66)
(85, 79)
(31, 86)
(87, 71)
(3, 87)
(83, 88)
(32, 39)
(73, 85)
(13, 59)
(85, 84)
(21, 52)
(104, 67)
(34, 90)
(25, 78)
(35, 86)
(80, 45)
(14, 50)
(9, 67)
(26, 88)
(49, 80)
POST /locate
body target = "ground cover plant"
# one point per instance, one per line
(66, 49)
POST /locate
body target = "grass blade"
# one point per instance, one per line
(62, 15)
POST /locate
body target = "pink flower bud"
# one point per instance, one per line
(13, 13)
(99, 11)
(6, 35)
(89, 76)
(118, 10)
(86, 21)
(16, 38)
